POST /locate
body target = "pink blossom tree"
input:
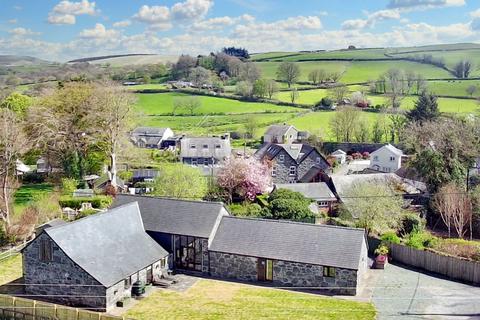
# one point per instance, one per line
(245, 177)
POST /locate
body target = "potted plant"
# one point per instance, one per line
(381, 258)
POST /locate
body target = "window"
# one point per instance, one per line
(46, 250)
(205, 146)
(292, 171)
(194, 162)
(269, 271)
(375, 158)
(323, 203)
(392, 158)
(217, 146)
(193, 146)
(329, 272)
(127, 283)
(274, 171)
(281, 158)
(162, 263)
(206, 162)
(318, 160)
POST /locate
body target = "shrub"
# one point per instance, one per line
(382, 250)
(326, 102)
(69, 186)
(33, 177)
(85, 213)
(390, 237)
(249, 210)
(125, 175)
(366, 155)
(98, 202)
(235, 135)
(459, 247)
(421, 240)
(411, 223)
(357, 155)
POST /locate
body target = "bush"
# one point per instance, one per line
(85, 213)
(125, 175)
(390, 237)
(235, 135)
(411, 223)
(32, 178)
(366, 155)
(249, 210)
(98, 202)
(356, 155)
(69, 186)
(459, 247)
(421, 240)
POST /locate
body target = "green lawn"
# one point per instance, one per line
(209, 299)
(456, 88)
(304, 96)
(10, 269)
(162, 104)
(30, 192)
(357, 71)
(150, 86)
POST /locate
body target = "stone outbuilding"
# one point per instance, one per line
(94, 261)
(289, 254)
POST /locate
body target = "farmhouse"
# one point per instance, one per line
(94, 261)
(205, 151)
(386, 159)
(151, 138)
(283, 134)
(292, 163)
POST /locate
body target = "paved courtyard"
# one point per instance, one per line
(400, 293)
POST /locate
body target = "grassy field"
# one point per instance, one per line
(357, 71)
(456, 88)
(304, 96)
(10, 269)
(136, 60)
(162, 104)
(209, 299)
(28, 193)
(150, 86)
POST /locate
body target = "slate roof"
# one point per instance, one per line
(217, 147)
(145, 174)
(290, 241)
(109, 246)
(318, 191)
(149, 131)
(296, 150)
(193, 218)
(392, 149)
(278, 130)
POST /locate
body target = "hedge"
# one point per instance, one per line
(98, 202)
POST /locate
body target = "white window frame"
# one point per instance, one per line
(323, 204)
(274, 171)
(318, 160)
(392, 159)
(292, 171)
(281, 158)
(194, 162)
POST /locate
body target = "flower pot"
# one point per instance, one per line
(381, 261)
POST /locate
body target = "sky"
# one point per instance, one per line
(62, 30)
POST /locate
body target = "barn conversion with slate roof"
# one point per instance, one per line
(150, 137)
(205, 151)
(289, 254)
(93, 262)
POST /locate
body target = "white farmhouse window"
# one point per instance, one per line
(281, 158)
(323, 204)
(293, 170)
(318, 160)
(274, 171)
(392, 158)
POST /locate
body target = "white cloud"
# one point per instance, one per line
(62, 19)
(191, 9)
(13, 21)
(371, 19)
(157, 17)
(99, 32)
(18, 8)
(23, 32)
(424, 4)
(220, 23)
(122, 24)
(475, 14)
(65, 11)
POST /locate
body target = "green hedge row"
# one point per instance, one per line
(98, 202)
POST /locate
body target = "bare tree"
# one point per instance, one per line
(294, 95)
(272, 88)
(471, 90)
(250, 72)
(344, 122)
(335, 76)
(13, 144)
(338, 93)
(288, 72)
(112, 112)
(190, 103)
(199, 76)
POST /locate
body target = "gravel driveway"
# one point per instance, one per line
(401, 293)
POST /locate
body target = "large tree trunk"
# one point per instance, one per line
(5, 195)
(113, 169)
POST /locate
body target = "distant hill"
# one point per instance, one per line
(127, 59)
(16, 61)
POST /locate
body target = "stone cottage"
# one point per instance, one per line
(289, 254)
(284, 134)
(205, 152)
(293, 163)
(93, 262)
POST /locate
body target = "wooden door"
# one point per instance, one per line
(261, 269)
(149, 275)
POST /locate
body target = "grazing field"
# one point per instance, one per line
(340, 54)
(310, 97)
(209, 299)
(163, 104)
(10, 268)
(28, 193)
(150, 86)
(357, 71)
(136, 60)
(456, 88)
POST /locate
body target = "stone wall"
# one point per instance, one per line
(230, 266)
(283, 168)
(63, 281)
(311, 161)
(285, 273)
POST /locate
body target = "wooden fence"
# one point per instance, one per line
(25, 309)
(453, 268)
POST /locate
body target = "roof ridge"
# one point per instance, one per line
(295, 222)
(168, 198)
(97, 215)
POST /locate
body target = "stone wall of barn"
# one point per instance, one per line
(285, 273)
(60, 280)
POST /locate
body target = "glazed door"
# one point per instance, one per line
(261, 269)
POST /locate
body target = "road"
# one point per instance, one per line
(400, 293)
